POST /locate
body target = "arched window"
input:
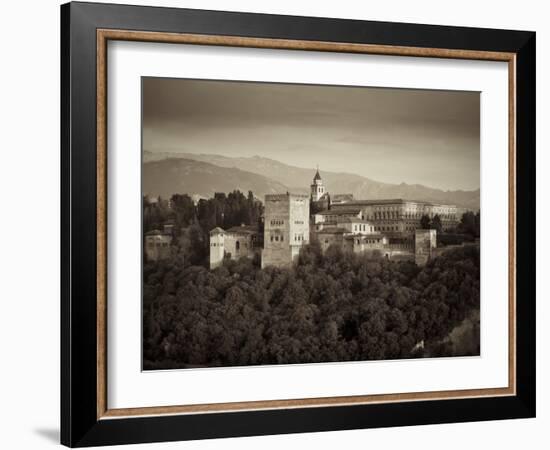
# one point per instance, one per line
(237, 245)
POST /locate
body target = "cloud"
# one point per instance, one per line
(391, 135)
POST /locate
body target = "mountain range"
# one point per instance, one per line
(201, 175)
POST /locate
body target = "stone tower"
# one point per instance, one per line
(286, 228)
(217, 247)
(317, 187)
(424, 243)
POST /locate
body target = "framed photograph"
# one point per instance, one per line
(277, 224)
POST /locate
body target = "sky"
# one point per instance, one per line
(391, 135)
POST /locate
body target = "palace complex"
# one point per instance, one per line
(390, 228)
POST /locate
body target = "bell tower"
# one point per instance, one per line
(317, 187)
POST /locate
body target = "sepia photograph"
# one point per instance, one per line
(300, 224)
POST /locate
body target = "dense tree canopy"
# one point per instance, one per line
(425, 222)
(222, 210)
(470, 224)
(467, 229)
(436, 224)
(336, 306)
(431, 224)
(155, 213)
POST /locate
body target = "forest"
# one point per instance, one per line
(336, 306)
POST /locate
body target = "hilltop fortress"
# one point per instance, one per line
(390, 228)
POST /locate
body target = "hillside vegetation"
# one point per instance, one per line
(333, 307)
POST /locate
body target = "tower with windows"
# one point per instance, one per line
(317, 187)
(286, 228)
(217, 247)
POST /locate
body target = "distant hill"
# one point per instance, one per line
(296, 179)
(200, 179)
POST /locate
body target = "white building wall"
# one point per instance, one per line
(217, 248)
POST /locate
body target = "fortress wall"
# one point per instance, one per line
(441, 250)
(425, 243)
(245, 245)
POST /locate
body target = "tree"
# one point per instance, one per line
(184, 210)
(470, 223)
(425, 222)
(229, 210)
(155, 213)
(314, 207)
(436, 224)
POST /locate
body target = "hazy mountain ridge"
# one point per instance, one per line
(279, 177)
(197, 178)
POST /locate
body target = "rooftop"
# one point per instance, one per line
(243, 229)
(392, 201)
(332, 230)
(351, 220)
(284, 196)
(366, 236)
(339, 212)
(340, 197)
(158, 233)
